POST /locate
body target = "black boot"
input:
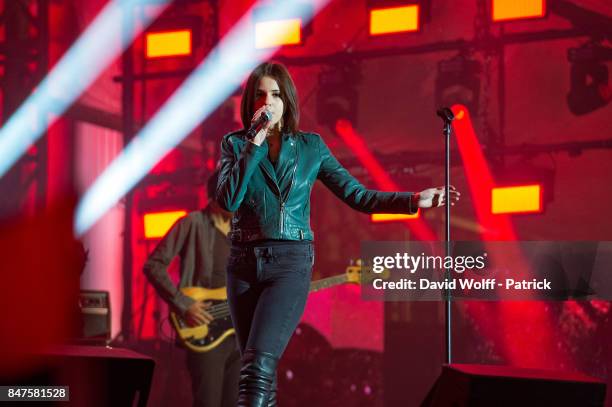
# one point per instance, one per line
(256, 377)
(272, 398)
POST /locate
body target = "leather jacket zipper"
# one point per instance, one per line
(282, 216)
(271, 177)
(280, 197)
(282, 201)
(292, 177)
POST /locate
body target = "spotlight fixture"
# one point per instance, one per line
(589, 78)
(517, 199)
(458, 82)
(160, 205)
(512, 10)
(168, 43)
(157, 224)
(337, 95)
(522, 189)
(284, 30)
(394, 16)
(172, 37)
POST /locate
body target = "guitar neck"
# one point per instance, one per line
(328, 282)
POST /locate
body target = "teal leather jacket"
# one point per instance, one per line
(273, 202)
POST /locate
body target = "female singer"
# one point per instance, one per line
(266, 181)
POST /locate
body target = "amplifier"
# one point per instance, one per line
(95, 317)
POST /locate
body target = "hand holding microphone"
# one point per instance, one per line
(262, 120)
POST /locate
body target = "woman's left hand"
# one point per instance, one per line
(434, 197)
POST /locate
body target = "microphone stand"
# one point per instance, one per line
(447, 116)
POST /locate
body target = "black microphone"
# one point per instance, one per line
(261, 121)
(445, 114)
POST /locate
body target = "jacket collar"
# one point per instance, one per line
(282, 176)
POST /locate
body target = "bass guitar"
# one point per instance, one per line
(203, 338)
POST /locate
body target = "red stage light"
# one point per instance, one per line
(516, 199)
(157, 224)
(171, 43)
(346, 131)
(479, 177)
(390, 20)
(504, 10)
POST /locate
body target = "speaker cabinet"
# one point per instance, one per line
(96, 376)
(501, 386)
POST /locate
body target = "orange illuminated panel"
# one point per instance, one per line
(392, 217)
(279, 32)
(168, 43)
(517, 9)
(394, 19)
(516, 199)
(157, 224)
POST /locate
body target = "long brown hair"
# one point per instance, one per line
(288, 94)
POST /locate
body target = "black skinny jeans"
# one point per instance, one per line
(267, 287)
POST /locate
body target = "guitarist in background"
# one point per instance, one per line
(200, 241)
